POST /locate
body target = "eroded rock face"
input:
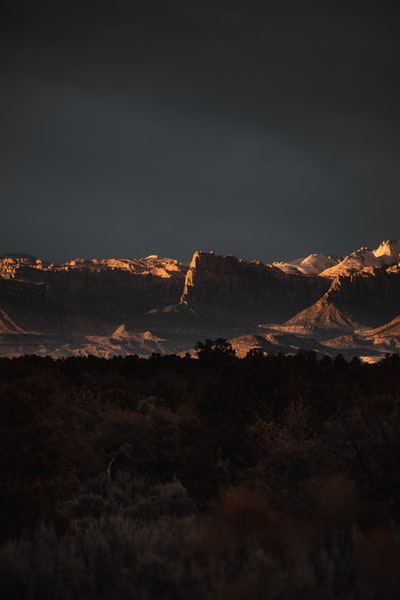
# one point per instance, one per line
(152, 304)
(370, 296)
(86, 297)
(321, 316)
(225, 287)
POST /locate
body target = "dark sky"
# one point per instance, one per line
(264, 129)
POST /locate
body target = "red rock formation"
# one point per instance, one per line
(227, 288)
(371, 296)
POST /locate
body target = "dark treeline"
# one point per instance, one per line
(246, 442)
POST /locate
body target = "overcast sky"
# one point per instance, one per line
(267, 130)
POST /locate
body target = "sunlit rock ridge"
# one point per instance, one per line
(117, 306)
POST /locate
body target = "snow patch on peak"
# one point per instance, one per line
(361, 257)
(356, 261)
(313, 264)
(388, 252)
(286, 267)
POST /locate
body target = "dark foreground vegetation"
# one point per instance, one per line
(174, 478)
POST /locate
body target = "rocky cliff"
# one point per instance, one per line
(86, 297)
(227, 288)
(371, 296)
(152, 304)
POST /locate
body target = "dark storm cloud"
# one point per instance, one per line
(266, 130)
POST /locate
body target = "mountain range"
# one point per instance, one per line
(106, 307)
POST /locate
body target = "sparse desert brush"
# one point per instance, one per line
(312, 472)
(336, 500)
(378, 564)
(298, 417)
(120, 557)
(119, 425)
(247, 513)
(246, 516)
